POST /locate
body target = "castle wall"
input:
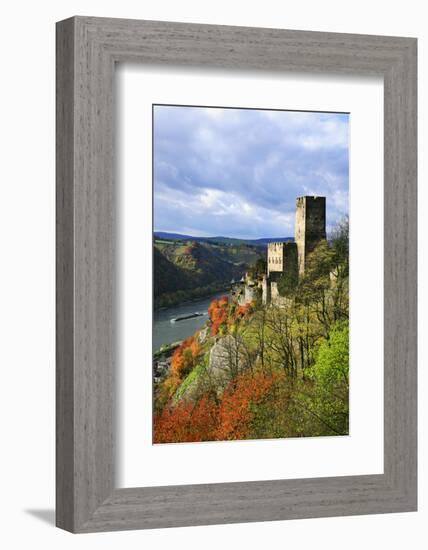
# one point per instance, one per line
(290, 258)
(244, 293)
(276, 298)
(282, 257)
(250, 294)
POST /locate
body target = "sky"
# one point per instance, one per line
(238, 172)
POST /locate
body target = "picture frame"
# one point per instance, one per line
(87, 50)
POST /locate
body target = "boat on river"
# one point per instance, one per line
(188, 316)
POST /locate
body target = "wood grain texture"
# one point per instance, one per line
(64, 276)
(87, 49)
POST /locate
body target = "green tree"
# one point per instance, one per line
(340, 242)
(314, 290)
(330, 374)
(340, 271)
(332, 364)
(287, 283)
(258, 269)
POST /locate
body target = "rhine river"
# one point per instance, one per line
(165, 332)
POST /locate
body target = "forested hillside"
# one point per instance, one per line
(259, 371)
(186, 270)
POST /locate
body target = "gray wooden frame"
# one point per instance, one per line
(87, 50)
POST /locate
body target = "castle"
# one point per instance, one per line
(288, 257)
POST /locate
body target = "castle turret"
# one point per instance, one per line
(281, 258)
(310, 227)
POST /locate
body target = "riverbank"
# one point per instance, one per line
(162, 361)
(166, 333)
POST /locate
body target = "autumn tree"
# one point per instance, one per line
(218, 314)
(186, 422)
(236, 408)
(185, 357)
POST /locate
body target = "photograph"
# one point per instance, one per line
(250, 274)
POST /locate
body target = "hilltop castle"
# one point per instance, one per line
(288, 257)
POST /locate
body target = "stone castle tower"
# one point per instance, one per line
(289, 257)
(309, 228)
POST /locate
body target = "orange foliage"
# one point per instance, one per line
(187, 422)
(243, 311)
(235, 413)
(207, 421)
(185, 357)
(218, 313)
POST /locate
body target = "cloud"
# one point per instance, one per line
(237, 172)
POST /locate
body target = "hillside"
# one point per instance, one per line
(257, 371)
(185, 270)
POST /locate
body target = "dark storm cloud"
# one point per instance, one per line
(237, 172)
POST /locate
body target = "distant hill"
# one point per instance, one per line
(188, 269)
(167, 276)
(224, 240)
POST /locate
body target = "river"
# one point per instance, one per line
(165, 332)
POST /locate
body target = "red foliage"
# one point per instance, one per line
(235, 412)
(243, 311)
(187, 422)
(218, 313)
(207, 421)
(185, 357)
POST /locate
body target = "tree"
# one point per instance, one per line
(340, 274)
(332, 365)
(340, 242)
(329, 400)
(315, 287)
(279, 342)
(218, 313)
(287, 283)
(258, 330)
(258, 269)
(185, 357)
(236, 408)
(186, 422)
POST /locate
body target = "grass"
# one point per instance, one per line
(190, 379)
